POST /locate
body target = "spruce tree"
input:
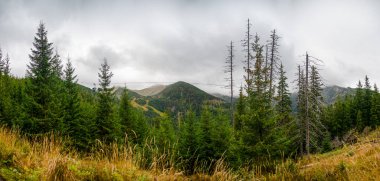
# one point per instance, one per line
(367, 104)
(206, 147)
(108, 128)
(42, 108)
(6, 107)
(257, 122)
(375, 109)
(283, 106)
(285, 132)
(188, 145)
(359, 106)
(75, 125)
(57, 65)
(125, 114)
(240, 111)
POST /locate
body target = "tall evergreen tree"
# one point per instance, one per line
(188, 145)
(257, 122)
(375, 109)
(43, 111)
(283, 106)
(125, 114)
(206, 147)
(359, 106)
(316, 108)
(367, 104)
(240, 111)
(76, 126)
(108, 128)
(6, 107)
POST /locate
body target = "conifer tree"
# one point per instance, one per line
(301, 109)
(188, 145)
(165, 133)
(6, 107)
(375, 109)
(240, 111)
(42, 108)
(367, 104)
(125, 114)
(283, 106)
(310, 106)
(57, 65)
(358, 102)
(317, 129)
(71, 102)
(76, 126)
(206, 147)
(108, 128)
(257, 122)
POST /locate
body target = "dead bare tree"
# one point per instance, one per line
(310, 104)
(274, 59)
(229, 68)
(246, 43)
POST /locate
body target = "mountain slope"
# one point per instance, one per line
(151, 91)
(329, 94)
(182, 96)
(172, 99)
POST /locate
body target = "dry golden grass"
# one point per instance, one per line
(360, 161)
(46, 159)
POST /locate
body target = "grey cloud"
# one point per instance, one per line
(186, 40)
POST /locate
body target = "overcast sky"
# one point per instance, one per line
(168, 41)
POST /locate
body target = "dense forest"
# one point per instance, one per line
(259, 128)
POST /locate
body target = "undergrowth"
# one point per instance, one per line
(47, 159)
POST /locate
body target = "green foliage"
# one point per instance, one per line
(42, 102)
(76, 127)
(188, 147)
(108, 128)
(283, 106)
(258, 120)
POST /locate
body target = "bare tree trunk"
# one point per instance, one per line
(300, 84)
(266, 67)
(229, 69)
(231, 85)
(248, 51)
(307, 106)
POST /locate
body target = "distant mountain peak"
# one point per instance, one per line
(151, 91)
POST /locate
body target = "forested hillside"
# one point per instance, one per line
(180, 129)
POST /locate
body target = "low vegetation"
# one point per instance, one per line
(46, 158)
